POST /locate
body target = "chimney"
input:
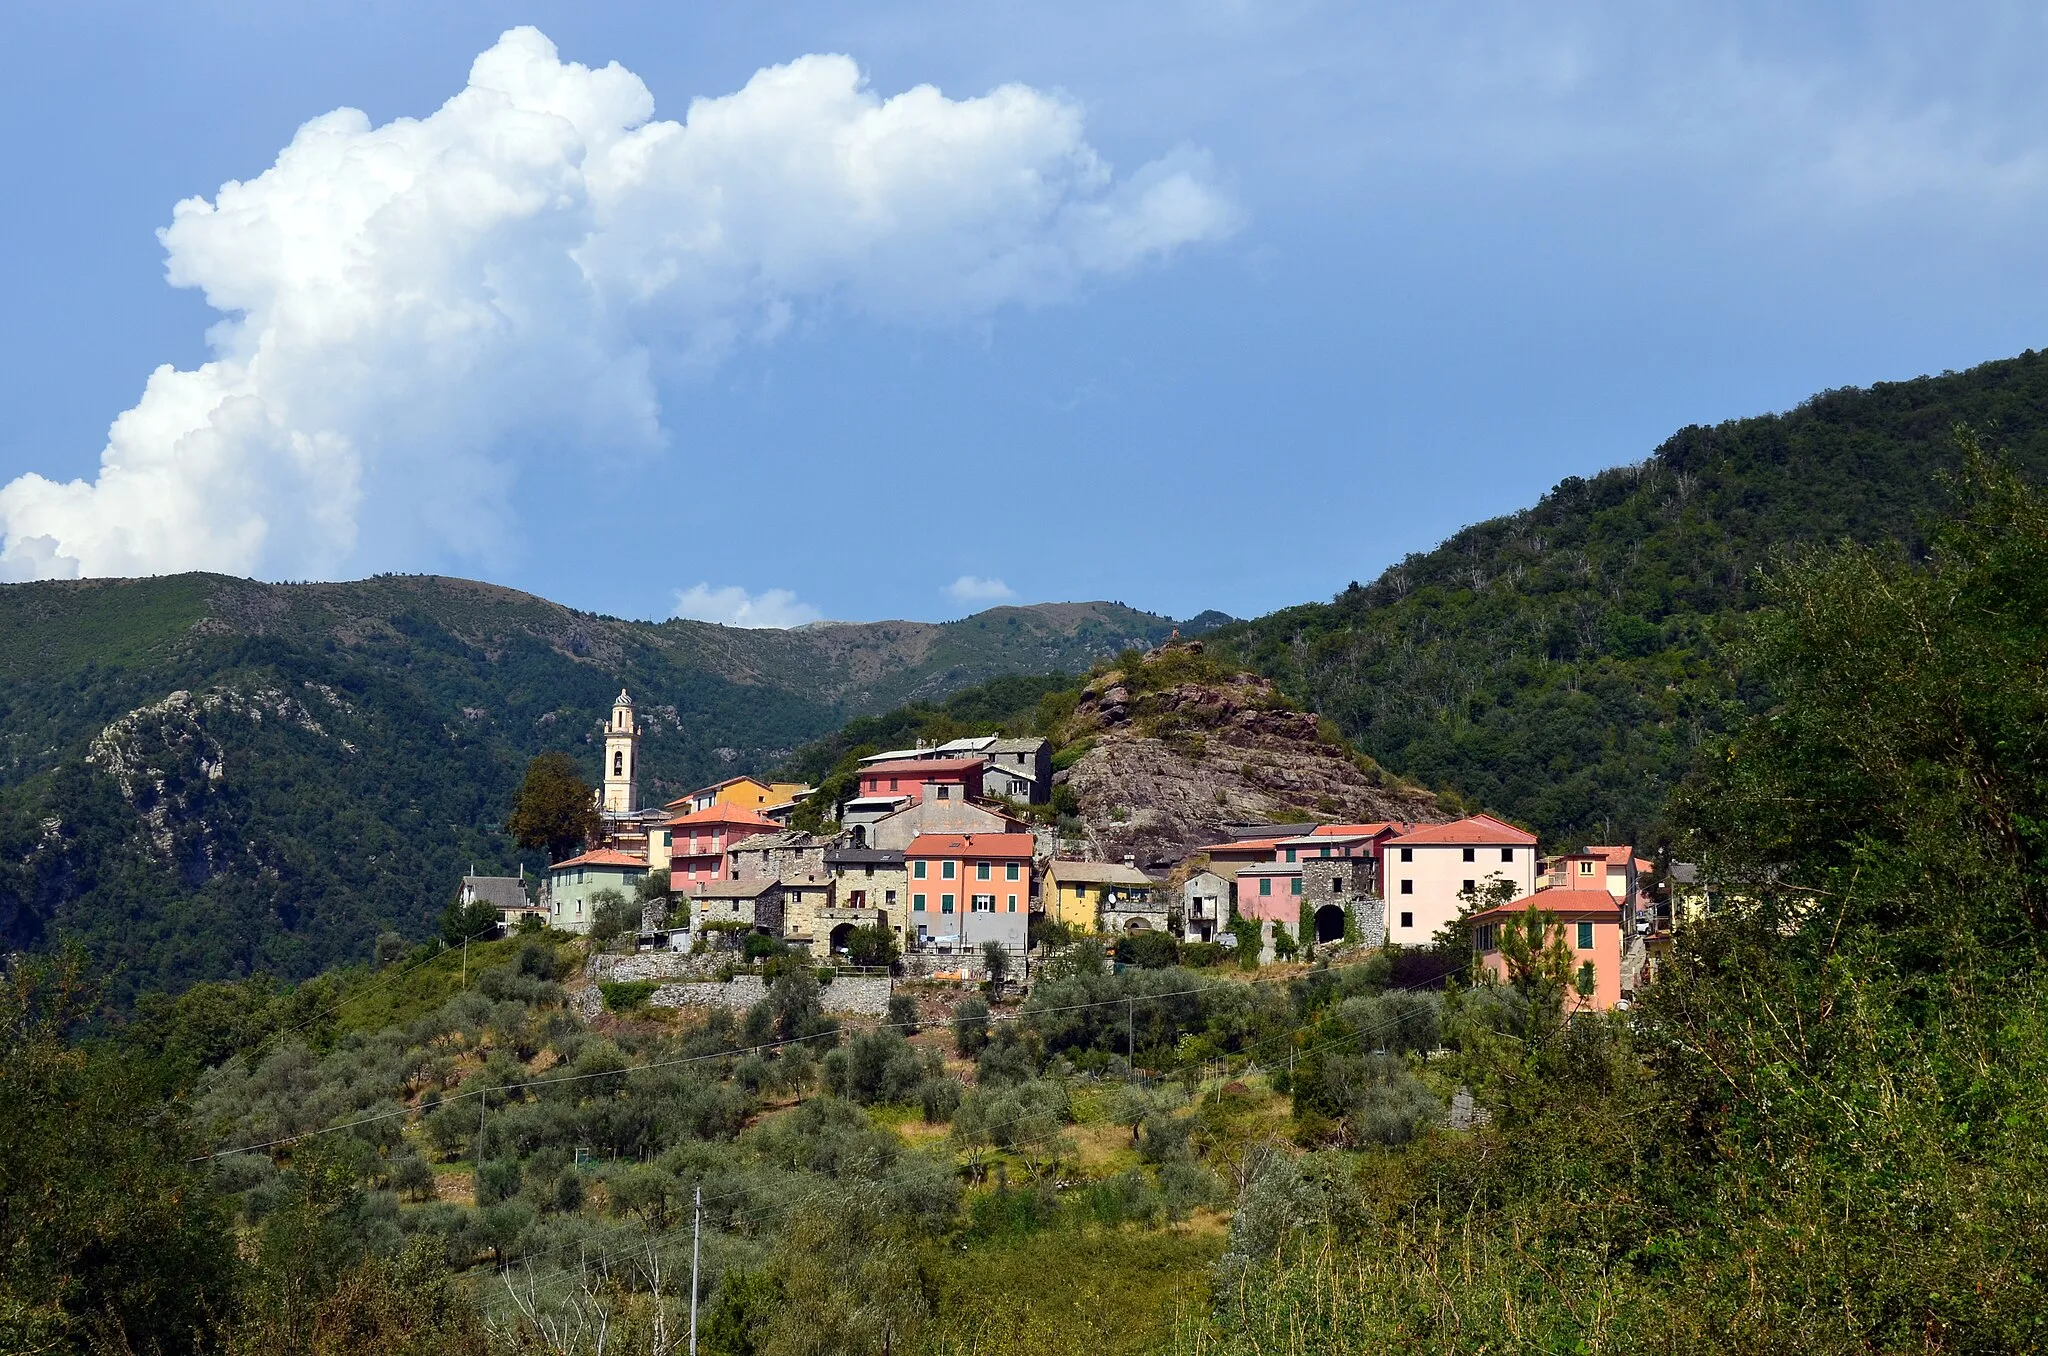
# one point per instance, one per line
(1130, 861)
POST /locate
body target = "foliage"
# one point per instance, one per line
(612, 916)
(626, 995)
(970, 1026)
(554, 810)
(871, 944)
(1150, 949)
(110, 1238)
(471, 922)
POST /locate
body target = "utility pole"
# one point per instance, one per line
(1130, 1041)
(696, 1239)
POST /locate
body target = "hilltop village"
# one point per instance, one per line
(938, 851)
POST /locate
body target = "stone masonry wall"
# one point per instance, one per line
(846, 996)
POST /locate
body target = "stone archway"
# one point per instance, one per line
(840, 934)
(1330, 923)
(1137, 925)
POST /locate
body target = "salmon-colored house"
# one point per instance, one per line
(699, 840)
(924, 779)
(1589, 920)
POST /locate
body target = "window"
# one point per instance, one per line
(1483, 938)
(945, 903)
(1407, 887)
(618, 763)
(1468, 854)
(945, 793)
(1585, 936)
(1337, 886)
(981, 870)
(946, 870)
(1407, 920)
(1010, 873)
(1290, 854)
(1585, 868)
(1013, 903)
(890, 897)
(892, 784)
(1326, 852)
(917, 870)
(1507, 854)
(1407, 854)
(1295, 886)
(859, 900)
(917, 903)
(984, 903)
(1265, 885)
(1466, 887)
(871, 873)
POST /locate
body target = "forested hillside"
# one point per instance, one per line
(1560, 665)
(202, 776)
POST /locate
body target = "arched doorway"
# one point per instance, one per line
(860, 835)
(839, 938)
(1136, 925)
(1330, 923)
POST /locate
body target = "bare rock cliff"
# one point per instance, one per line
(1176, 752)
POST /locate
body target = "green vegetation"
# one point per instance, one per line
(1822, 1127)
(205, 778)
(554, 810)
(1561, 665)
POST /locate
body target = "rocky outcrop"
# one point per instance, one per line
(1181, 747)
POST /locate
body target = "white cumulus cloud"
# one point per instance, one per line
(972, 588)
(413, 311)
(734, 606)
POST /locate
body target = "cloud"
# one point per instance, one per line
(415, 311)
(732, 605)
(970, 588)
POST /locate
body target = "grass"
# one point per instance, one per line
(393, 996)
(1103, 1292)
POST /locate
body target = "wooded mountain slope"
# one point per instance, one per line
(340, 752)
(1560, 664)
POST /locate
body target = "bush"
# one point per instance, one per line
(970, 1027)
(760, 946)
(612, 916)
(1202, 955)
(468, 922)
(626, 995)
(871, 944)
(1148, 950)
(903, 1013)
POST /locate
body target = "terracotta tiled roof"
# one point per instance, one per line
(1564, 901)
(1242, 845)
(603, 857)
(725, 814)
(922, 766)
(1477, 831)
(1356, 830)
(971, 845)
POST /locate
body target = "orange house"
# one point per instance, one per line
(1588, 919)
(699, 840)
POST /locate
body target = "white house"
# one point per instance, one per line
(1428, 868)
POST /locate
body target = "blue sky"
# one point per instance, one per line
(1294, 289)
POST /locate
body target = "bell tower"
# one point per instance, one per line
(621, 748)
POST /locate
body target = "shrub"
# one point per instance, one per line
(970, 1026)
(1201, 955)
(871, 944)
(1148, 950)
(626, 995)
(903, 1013)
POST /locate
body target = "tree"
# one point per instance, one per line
(1539, 963)
(995, 958)
(555, 810)
(112, 1240)
(471, 922)
(970, 1026)
(612, 916)
(871, 944)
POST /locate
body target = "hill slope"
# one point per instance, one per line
(201, 776)
(1559, 665)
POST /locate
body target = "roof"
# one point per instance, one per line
(788, 838)
(1242, 845)
(725, 814)
(970, 744)
(604, 857)
(500, 892)
(1322, 840)
(1357, 830)
(889, 756)
(732, 889)
(1100, 873)
(1026, 744)
(1476, 831)
(972, 845)
(1564, 901)
(877, 800)
(923, 766)
(860, 856)
(1271, 869)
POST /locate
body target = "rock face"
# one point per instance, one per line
(1179, 749)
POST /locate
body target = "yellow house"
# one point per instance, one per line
(1076, 893)
(741, 793)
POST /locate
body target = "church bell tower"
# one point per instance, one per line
(621, 748)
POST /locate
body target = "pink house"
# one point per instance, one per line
(698, 842)
(1270, 890)
(924, 779)
(1589, 920)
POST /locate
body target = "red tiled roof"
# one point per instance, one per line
(603, 857)
(924, 765)
(723, 814)
(1564, 901)
(1355, 830)
(971, 845)
(1242, 845)
(1477, 831)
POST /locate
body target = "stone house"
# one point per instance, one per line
(1340, 894)
(1021, 763)
(871, 878)
(1204, 907)
(778, 856)
(756, 904)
